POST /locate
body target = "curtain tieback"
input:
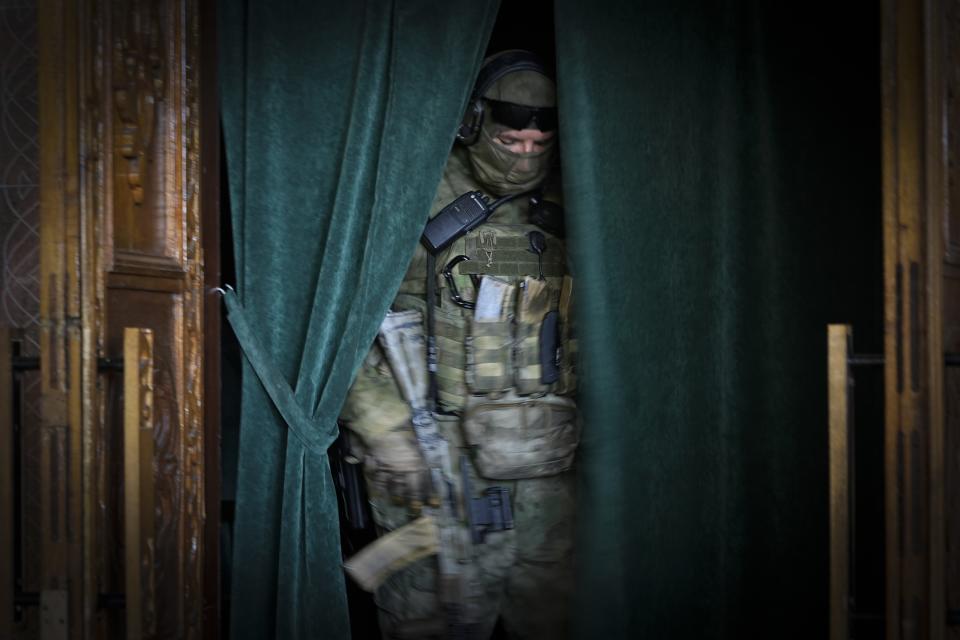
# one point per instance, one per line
(303, 427)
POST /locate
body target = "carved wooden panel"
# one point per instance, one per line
(162, 313)
(121, 248)
(145, 133)
(141, 70)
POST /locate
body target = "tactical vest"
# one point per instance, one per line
(495, 356)
(489, 366)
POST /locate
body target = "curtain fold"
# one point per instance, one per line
(721, 177)
(338, 118)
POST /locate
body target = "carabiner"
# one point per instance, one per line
(454, 292)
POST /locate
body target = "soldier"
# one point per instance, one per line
(504, 384)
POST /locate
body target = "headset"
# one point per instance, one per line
(497, 67)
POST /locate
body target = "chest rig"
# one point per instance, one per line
(499, 353)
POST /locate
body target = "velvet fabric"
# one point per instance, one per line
(338, 118)
(722, 181)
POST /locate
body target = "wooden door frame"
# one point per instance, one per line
(83, 164)
(66, 261)
(914, 201)
(210, 221)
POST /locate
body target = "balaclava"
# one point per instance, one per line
(501, 170)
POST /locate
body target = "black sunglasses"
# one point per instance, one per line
(517, 116)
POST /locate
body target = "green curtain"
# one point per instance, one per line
(722, 181)
(337, 117)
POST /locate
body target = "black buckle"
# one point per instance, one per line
(486, 514)
(490, 513)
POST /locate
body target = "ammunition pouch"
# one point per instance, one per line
(522, 350)
(534, 300)
(489, 349)
(515, 437)
(450, 335)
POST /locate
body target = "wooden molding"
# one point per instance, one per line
(146, 283)
(145, 264)
(139, 86)
(64, 348)
(138, 484)
(210, 233)
(839, 337)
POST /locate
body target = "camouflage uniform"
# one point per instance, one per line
(509, 428)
